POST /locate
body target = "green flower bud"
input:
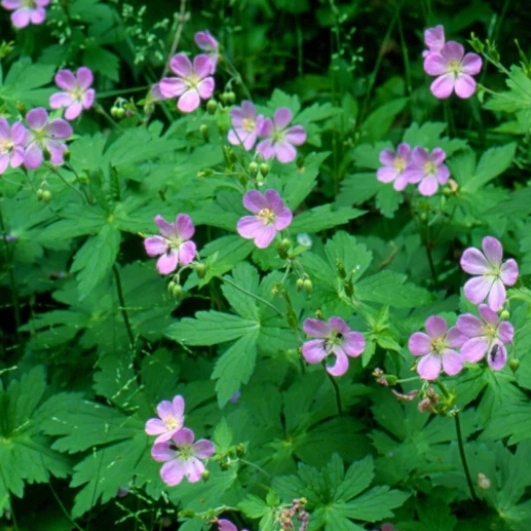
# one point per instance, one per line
(264, 169)
(117, 112)
(253, 169)
(299, 284)
(200, 269)
(307, 285)
(514, 364)
(203, 129)
(504, 315)
(211, 106)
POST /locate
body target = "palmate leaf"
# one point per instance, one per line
(336, 497)
(25, 454)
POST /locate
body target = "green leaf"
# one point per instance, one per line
(388, 200)
(378, 123)
(244, 278)
(358, 478)
(95, 259)
(281, 99)
(357, 188)
(354, 256)
(389, 287)
(324, 217)
(374, 505)
(493, 163)
(211, 328)
(235, 366)
(100, 60)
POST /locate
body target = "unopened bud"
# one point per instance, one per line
(228, 98)
(177, 291)
(253, 169)
(117, 112)
(264, 169)
(211, 106)
(200, 269)
(205, 474)
(484, 482)
(240, 450)
(341, 269)
(299, 284)
(504, 315)
(514, 364)
(203, 129)
(307, 285)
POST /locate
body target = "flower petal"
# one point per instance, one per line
(339, 366)
(429, 367)
(452, 362)
(473, 261)
(509, 272)
(436, 326)
(167, 263)
(203, 448)
(155, 245)
(313, 351)
(172, 472)
(419, 344)
(84, 77)
(187, 252)
(477, 289)
(189, 101)
(465, 86)
(65, 80)
(443, 86)
(255, 201)
(475, 348)
(316, 328)
(282, 117)
(181, 65)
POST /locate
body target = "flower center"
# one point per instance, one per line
(277, 135)
(193, 80)
(266, 215)
(183, 452)
(334, 339)
(29, 3)
(77, 93)
(171, 423)
(248, 125)
(438, 344)
(399, 164)
(430, 168)
(6, 146)
(173, 242)
(454, 67)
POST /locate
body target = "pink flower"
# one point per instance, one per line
(454, 70)
(434, 39)
(45, 135)
(227, 525)
(77, 95)
(280, 138)
(428, 170)
(335, 338)
(171, 419)
(174, 246)
(182, 457)
(246, 125)
(395, 165)
(493, 275)
(486, 335)
(270, 216)
(206, 42)
(12, 141)
(26, 12)
(438, 349)
(194, 81)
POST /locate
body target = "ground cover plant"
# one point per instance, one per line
(265, 265)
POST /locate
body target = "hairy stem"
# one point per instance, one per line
(123, 310)
(462, 454)
(336, 391)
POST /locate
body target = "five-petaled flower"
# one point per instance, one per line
(171, 419)
(174, 245)
(395, 165)
(12, 141)
(182, 457)
(245, 125)
(45, 135)
(77, 93)
(26, 12)
(454, 70)
(271, 215)
(194, 81)
(279, 138)
(492, 274)
(438, 348)
(487, 335)
(333, 338)
(428, 170)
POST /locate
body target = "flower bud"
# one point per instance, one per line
(341, 269)
(504, 315)
(211, 106)
(200, 269)
(203, 129)
(253, 169)
(228, 98)
(177, 292)
(307, 285)
(299, 284)
(514, 364)
(206, 474)
(264, 169)
(117, 112)
(240, 450)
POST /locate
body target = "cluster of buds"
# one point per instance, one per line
(296, 510)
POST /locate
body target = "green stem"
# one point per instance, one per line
(336, 391)
(121, 299)
(64, 510)
(181, 19)
(260, 469)
(463, 457)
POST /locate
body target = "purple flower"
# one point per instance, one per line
(454, 70)
(395, 165)
(12, 141)
(486, 335)
(182, 457)
(438, 349)
(26, 12)
(335, 338)
(194, 81)
(174, 246)
(246, 125)
(206, 42)
(227, 525)
(428, 170)
(493, 275)
(45, 135)
(77, 93)
(270, 216)
(280, 139)
(434, 39)
(171, 419)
